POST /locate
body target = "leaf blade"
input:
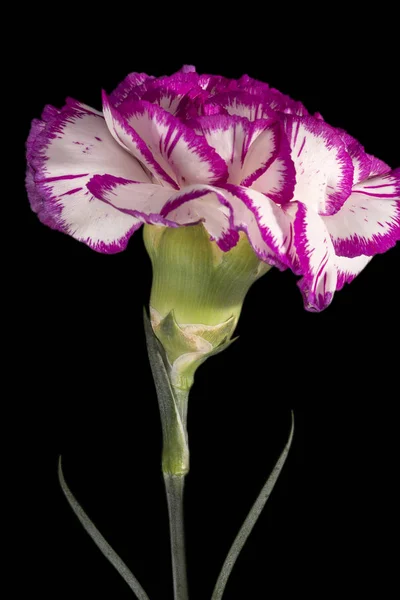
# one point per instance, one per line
(251, 519)
(99, 540)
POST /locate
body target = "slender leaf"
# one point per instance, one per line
(251, 520)
(99, 540)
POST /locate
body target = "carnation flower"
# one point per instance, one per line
(234, 155)
(229, 178)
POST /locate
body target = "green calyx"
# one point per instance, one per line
(197, 280)
(197, 294)
(186, 347)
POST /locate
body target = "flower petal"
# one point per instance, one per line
(132, 142)
(63, 154)
(283, 103)
(177, 149)
(378, 167)
(349, 268)
(143, 201)
(168, 99)
(242, 104)
(267, 225)
(256, 153)
(316, 258)
(361, 160)
(157, 205)
(231, 138)
(324, 169)
(252, 86)
(129, 88)
(276, 176)
(176, 94)
(369, 222)
(209, 205)
(271, 97)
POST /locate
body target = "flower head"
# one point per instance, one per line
(232, 155)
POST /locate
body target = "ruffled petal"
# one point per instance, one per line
(143, 201)
(209, 205)
(252, 86)
(242, 104)
(324, 169)
(133, 143)
(349, 268)
(179, 95)
(256, 153)
(361, 161)
(268, 226)
(272, 174)
(232, 138)
(378, 167)
(316, 259)
(133, 87)
(64, 152)
(283, 103)
(157, 205)
(271, 97)
(369, 222)
(183, 155)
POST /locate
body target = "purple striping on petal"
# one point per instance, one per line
(324, 262)
(378, 167)
(350, 237)
(301, 147)
(49, 113)
(100, 183)
(313, 301)
(357, 243)
(374, 195)
(336, 168)
(170, 145)
(282, 157)
(283, 258)
(230, 238)
(277, 136)
(115, 247)
(61, 178)
(372, 187)
(141, 148)
(128, 87)
(242, 104)
(70, 192)
(182, 138)
(48, 204)
(296, 132)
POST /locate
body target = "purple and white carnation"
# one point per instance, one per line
(235, 155)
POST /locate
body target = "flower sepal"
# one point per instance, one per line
(187, 346)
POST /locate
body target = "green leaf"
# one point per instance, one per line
(99, 540)
(251, 520)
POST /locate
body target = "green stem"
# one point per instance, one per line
(174, 485)
(175, 457)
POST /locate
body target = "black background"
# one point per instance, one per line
(81, 384)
